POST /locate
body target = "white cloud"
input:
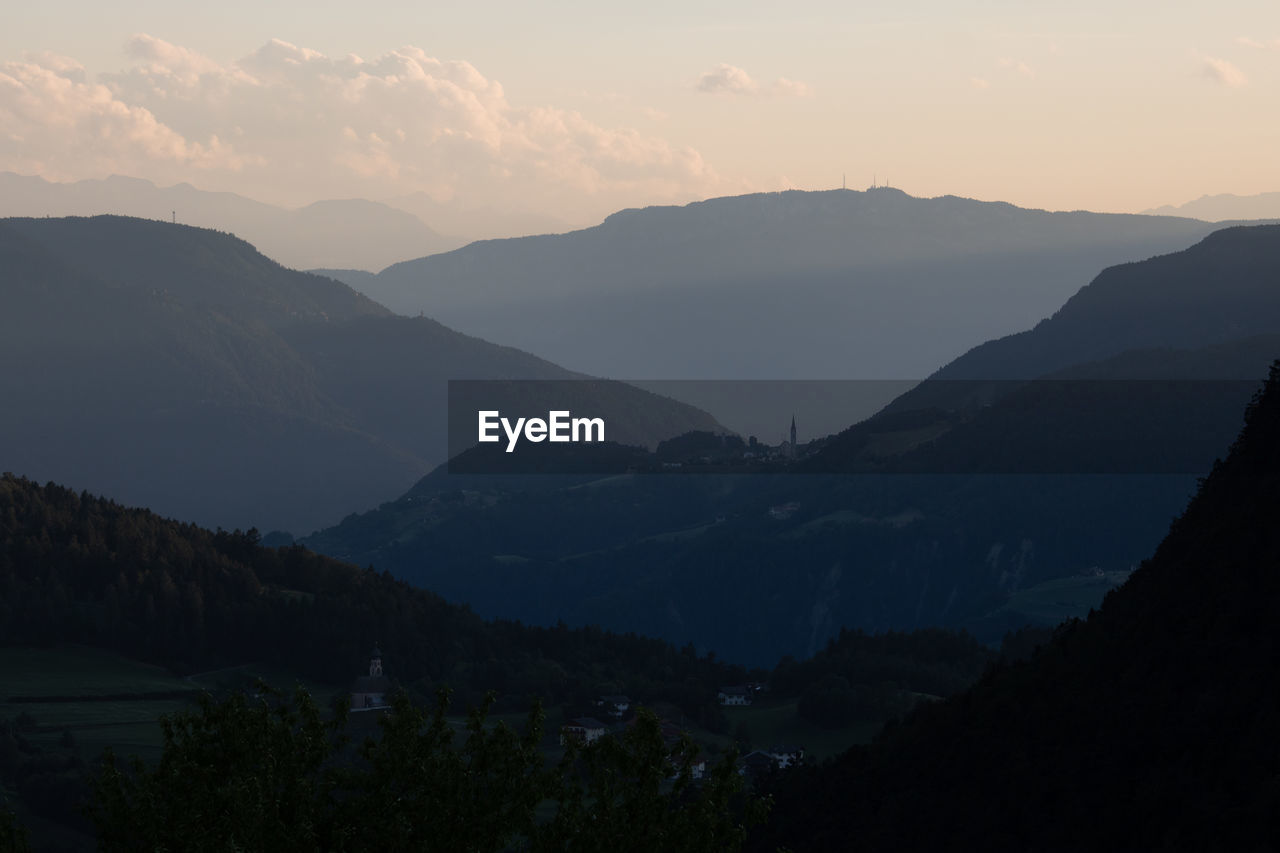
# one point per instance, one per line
(1222, 71)
(727, 79)
(58, 123)
(295, 124)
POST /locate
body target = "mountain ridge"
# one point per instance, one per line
(179, 368)
(686, 556)
(791, 285)
(1224, 206)
(327, 233)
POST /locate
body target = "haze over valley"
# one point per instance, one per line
(668, 428)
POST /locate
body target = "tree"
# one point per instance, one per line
(266, 773)
(244, 773)
(13, 835)
(633, 792)
(415, 789)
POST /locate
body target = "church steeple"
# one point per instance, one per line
(370, 691)
(793, 433)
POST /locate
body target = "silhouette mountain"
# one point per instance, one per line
(336, 233)
(1155, 718)
(791, 285)
(179, 368)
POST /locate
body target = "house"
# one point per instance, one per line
(671, 732)
(615, 706)
(757, 764)
(697, 766)
(584, 730)
(737, 695)
(370, 691)
(786, 754)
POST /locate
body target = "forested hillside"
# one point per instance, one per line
(1152, 725)
(77, 568)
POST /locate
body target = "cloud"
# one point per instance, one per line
(790, 88)
(1222, 71)
(57, 122)
(1273, 44)
(1017, 66)
(727, 79)
(1006, 69)
(294, 123)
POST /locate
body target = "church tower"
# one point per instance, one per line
(370, 691)
(793, 434)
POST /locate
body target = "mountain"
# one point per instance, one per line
(1224, 206)
(78, 568)
(338, 233)
(793, 285)
(478, 222)
(953, 507)
(1156, 717)
(1222, 289)
(114, 618)
(179, 368)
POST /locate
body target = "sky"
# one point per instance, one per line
(576, 109)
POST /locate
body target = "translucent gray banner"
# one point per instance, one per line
(1112, 426)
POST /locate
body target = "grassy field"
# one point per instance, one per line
(78, 671)
(103, 699)
(778, 723)
(100, 698)
(278, 677)
(1057, 600)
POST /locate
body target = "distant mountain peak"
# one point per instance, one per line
(338, 233)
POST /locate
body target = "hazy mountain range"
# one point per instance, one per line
(353, 233)
(792, 285)
(1220, 290)
(1224, 206)
(179, 368)
(757, 566)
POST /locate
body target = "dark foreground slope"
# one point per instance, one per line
(178, 368)
(1153, 724)
(75, 568)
